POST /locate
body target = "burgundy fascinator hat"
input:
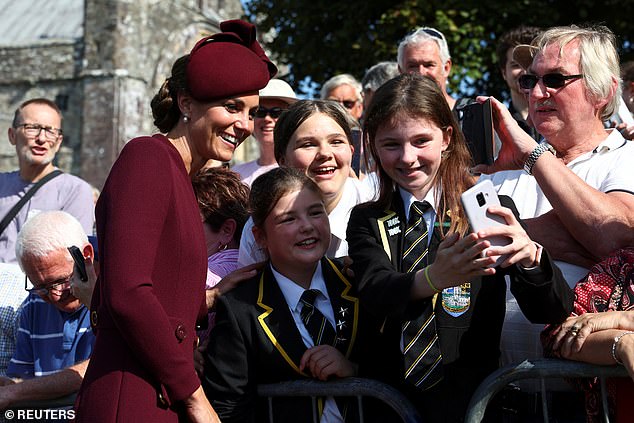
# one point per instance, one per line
(228, 63)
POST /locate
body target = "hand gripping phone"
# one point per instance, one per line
(80, 265)
(475, 201)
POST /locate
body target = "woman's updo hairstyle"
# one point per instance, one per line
(164, 105)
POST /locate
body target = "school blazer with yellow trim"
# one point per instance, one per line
(470, 342)
(255, 341)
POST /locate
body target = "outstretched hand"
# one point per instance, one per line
(231, 281)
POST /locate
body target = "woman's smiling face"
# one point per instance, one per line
(217, 128)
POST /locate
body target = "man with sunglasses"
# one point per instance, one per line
(274, 99)
(37, 136)
(576, 189)
(54, 335)
(345, 90)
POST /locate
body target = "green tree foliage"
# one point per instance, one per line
(320, 39)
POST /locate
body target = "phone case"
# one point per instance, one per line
(80, 265)
(475, 201)
(477, 127)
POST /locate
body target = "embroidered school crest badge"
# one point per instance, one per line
(456, 300)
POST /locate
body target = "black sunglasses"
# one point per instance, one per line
(551, 80)
(274, 112)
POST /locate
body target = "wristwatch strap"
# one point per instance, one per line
(535, 154)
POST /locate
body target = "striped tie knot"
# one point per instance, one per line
(319, 328)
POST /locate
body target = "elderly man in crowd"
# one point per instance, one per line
(345, 90)
(576, 188)
(37, 136)
(425, 51)
(54, 338)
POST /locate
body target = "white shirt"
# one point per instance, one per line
(292, 293)
(249, 171)
(353, 194)
(609, 167)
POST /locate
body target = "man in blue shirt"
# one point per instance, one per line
(54, 334)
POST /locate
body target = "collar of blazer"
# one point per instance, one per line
(279, 326)
(391, 226)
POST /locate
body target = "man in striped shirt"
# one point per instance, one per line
(54, 331)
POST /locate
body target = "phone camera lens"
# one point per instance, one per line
(481, 200)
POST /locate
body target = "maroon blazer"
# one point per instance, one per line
(150, 289)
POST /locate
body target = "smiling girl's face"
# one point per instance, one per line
(296, 234)
(410, 152)
(321, 148)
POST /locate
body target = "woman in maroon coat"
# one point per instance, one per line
(152, 252)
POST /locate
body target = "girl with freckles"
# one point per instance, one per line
(265, 328)
(437, 299)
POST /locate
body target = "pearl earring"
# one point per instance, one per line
(185, 119)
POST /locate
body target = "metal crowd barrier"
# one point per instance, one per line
(541, 369)
(348, 387)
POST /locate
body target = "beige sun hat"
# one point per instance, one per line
(523, 54)
(278, 89)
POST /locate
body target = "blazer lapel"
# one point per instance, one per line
(344, 305)
(277, 322)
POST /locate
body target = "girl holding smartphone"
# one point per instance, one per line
(448, 295)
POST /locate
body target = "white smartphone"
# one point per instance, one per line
(476, 200)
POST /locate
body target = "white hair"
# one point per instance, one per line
(598, 61)
(379, 74)
(49, 231)
(339, 80)
(420, 36)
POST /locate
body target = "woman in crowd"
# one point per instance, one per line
(264, 329)
(315, 136)
(152, 251)
(600, 331)
(439, 302)
(223, 201)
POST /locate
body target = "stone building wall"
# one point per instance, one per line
(104, 80)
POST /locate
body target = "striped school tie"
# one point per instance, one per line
(421, 350)
(318, 326)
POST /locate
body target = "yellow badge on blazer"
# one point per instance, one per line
(456, 300)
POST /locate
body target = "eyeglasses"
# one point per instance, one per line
(348, 104)
(274, 112)
(33, 130)
(550, 80)
(56, 286)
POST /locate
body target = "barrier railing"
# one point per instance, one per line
(348, 387)
(539, 369)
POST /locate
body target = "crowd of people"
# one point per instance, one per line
(342, 250)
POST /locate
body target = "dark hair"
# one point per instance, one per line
(221, 196)
(419, 97)
(521, 35)
(268, 188)
(43, 101)
(164, 105)
(627, 71)
(301, 110)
